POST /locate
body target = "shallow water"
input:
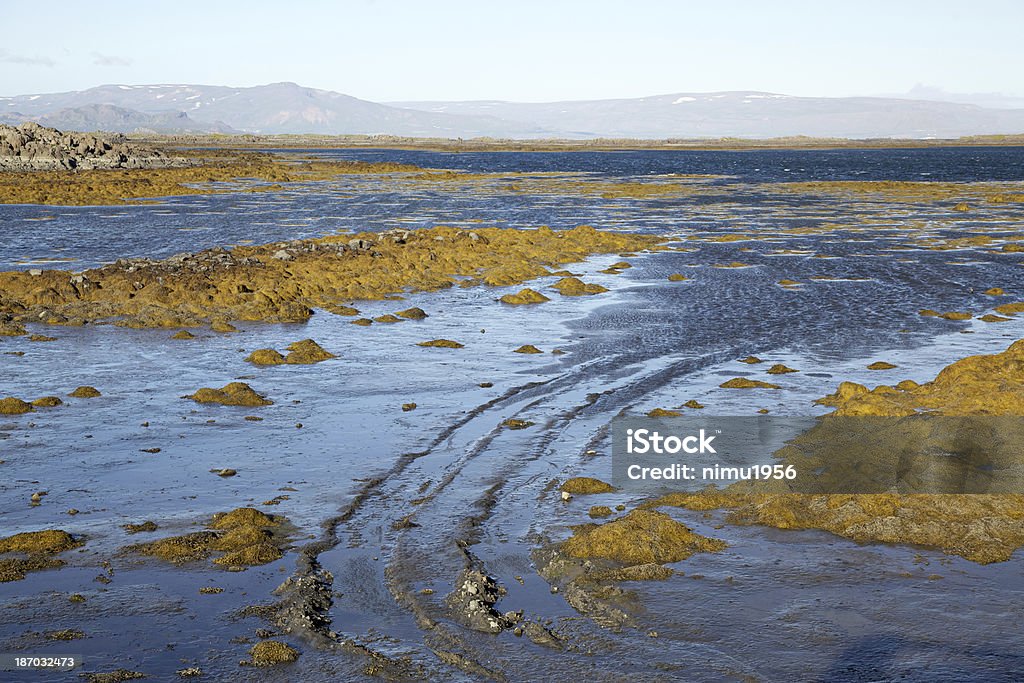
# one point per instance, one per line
(774, 606)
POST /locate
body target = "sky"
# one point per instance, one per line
(524, 50)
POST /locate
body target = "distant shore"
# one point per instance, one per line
(285, 142)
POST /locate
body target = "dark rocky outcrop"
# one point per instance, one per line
(31, 147)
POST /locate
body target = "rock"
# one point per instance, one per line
(956, 315)
(363, 322)
(789, 283)
(31, 147)
(994, 291)
(222, 326)
(677, 277)
(47, 402)
(693, 404)
(881, 365)
(85, 391)
(387, 318)
(183, 334)
(662, 412)
(524, 297)
(406, 407)
(281, 255)
(513, 423)
(962, 207)
(599, 511)
(751, 360)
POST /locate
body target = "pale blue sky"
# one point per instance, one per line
(520, 49)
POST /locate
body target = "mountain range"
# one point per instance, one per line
(294, 109)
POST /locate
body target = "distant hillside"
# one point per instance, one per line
(289, 108)
(111, 119)
(746, 115)
(274, 108)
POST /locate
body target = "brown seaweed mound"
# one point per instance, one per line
(232, 394)
(14, 406)
(271, 652)
(287, 281)
(641, 537)
(981, 527)
(585, 485)
(573, 286)
(524, 297)
(744, 383)
(245, 536)
(441, 344)
(32, 551)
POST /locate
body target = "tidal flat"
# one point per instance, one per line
(234, 479)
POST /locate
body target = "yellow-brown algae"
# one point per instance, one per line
(85, 391)
(105, 187)
(780, 369)
(979, 527)
(441, 344)
(15, 406)
(33, 551)
(662, 412)
(585, 485)
(245, 536)
(881, 365)
(640, 537)
(524, 297)
(744, 383)
(275, 283)
(232, 394)
(573, 286)
(414, 313)
(272, 652)
(528, 348)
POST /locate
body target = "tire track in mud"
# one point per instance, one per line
(454, 517)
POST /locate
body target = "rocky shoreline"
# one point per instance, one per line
(31, 147)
